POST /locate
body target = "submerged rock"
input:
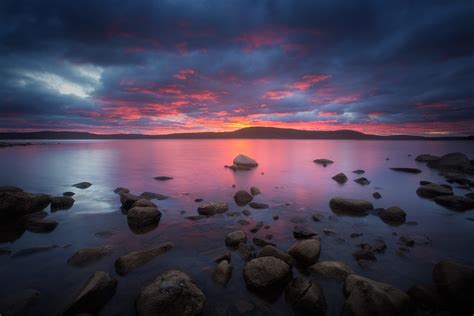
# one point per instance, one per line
(61, 203)
(255, 190)
(163, 178)
(120, 190)
(42, 225)
(306, 297)
(455, 202)
(426, 158)
(242, 197)
(266, 275)
(128, 199)
(244, 162)
(235, 238)
(31, 251)
(97, 291)
(407, 170)
(69, 193)
(154, 196)
(359, 171)
(259, 206)
(171, 293)
(362, 181)
(412, 240)
(223, 272)
(302, 232)
(323, 161)
(213, 208)
(331, 269)
(82, 185)
(143, 216)
(306, 252)
(350, 206)
(87, 256)
(272, 251)
(393, 215)
(133, 260)
(432, 190)
(340, 178)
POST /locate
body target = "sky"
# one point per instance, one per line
(155, 67)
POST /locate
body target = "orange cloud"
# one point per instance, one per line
(185, 74)
(308, 81)
(277, 94)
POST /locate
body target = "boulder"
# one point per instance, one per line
(266, 275)
(143, 216)
(255, 190)
(82, 185)
(369, 297)
(258, 206)
(143, 203)
(154, 196)
(242, 197)
(432, 190)
(272, 251)
(10, 188)
(426, 158)
(22, 303)
(451, 161)
(87, 256)
(350, 206)
(244, 162)
(61, 203)
(393, 215)
(331, 269)
(120, 190)
(162, 178)
(306, 297)
(362, 181)
(16, 204)
(171, 293)
(323, 162)
(261, 243)
(302, 232)
(222, 273)
(128, 199)
(235, 238)
(213, 208)
(455, 284)
(426, 297)
(455, 202)
(306, 252)
(97, 291)
(133, 260)
(412, 240)
(42, 225)
(407, 170)
(340, 178)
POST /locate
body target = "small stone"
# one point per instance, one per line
(163, 178)
(235, 238)
(302, 232)
(257, 205)
(82, 185)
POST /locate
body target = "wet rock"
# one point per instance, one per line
(356, 235)
(69, 193)
(306, 252)
(87, 256)
(364, 254)
(257, 227)
(369, 297)
(317, 217)
(424, 182)
(244, 306)
(407, 170)
(31, 251)
(432, 190)
(455, 202)
(233, 214)
(222, 273)
(82, 185)
(196, 217)
(331, 269)
(359, 171)
(226, 256)
(242, 197)
(22, 303)
(393, 215)
(154, 196)
(245, 252)
(412, 240)
(266, 275)
(275, 217)
(97, 291)
(163, 178)
(376, 195)
(120, 190)
(255, 191)
(426, 297)
(10, 188)
(340, 178)
(243, 222)
(61, 203)
(259, 206)
(322, 161)
(42, 226)
(143, 203)
(133, 260)
(19, 203)
(171, 293)
(213, 208)
(246, 212)
(272, 251)
(198, 200)
(451, 161)
(261, 243)
(426, 158)
(306, 297)
(143, 216)
(244, 162)
(105, 234)
(362, 181)
(350, 206)
(455, 284)
(128, 199)
(302, 232)
(235, 238)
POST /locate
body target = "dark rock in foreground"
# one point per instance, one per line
(235, 238)
(272, 251)
(407, 170)
(242, 197)
(133, 260)
(120, 190)
(306, 297)
(42, 226)
(331, 269)
(19, 304)
(128, 199)
(223, 272)
(82, 185)
(143, 216)
(306, 252)
(171, 293)
(31, 251)
(68, 193)
(266, 275)
(302, 232)
(426, 297)
(350, 206)
(426, 158)
(452, 161)
(255, 191)
(18, 203)
(455, 202)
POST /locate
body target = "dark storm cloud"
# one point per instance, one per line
(155, 66)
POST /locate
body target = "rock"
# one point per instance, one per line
(317, 217)
(171, 293)
(455, 202)
(128, 199)
(87, 256)
(196, 217)
(154, 196)
(213, 208)
(10, 188)
(407, 170)
(359, 171)
(257, 227)
(31, 251)
(364, 254)
(82, 185)
(243, 222)
(469, 195)
(222, 273)
(69, 193)
(331, 269)
(235, 238)
(350, 206)
(133, 260)
(412, 240)
(266, 275)
(306, 252)
(451, 161)
(198, 200)
(258, 206)
(233, 214)
(61, 203)
(432, 190)
(244, 306)
(426, 297)
(162, 178)
(246, 212)
(423, 182)
(143, 216)
(97, 291)
(393, 215)
(322, 161)
(42, 226)
(455, 284)
(245, 252)
(120, 190)
(5, 251)
(426, 158)
(143, 203)
(244, 162)
(21, 303)
(275, 217)
(369, 297)
(242, 197)
(17, 204)
(376, 195)
(301, 232)
(255, 190)
(306, 297)
(329, 232)
(356, 235)
(362, 181)
(340, 178)
(272, 251)
(261, 243)
(105, 234)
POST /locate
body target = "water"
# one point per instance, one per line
(290, 182)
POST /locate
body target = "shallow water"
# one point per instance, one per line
(290, 182)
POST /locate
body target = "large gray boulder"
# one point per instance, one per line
(133, 260)
(350, 206)
(306, 297)
(171, 293)
(266, 275)
(306, 252)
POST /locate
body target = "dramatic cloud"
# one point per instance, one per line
(171, 66)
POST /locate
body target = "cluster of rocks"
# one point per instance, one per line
(242, 162)
(142, 214)
(443, 194)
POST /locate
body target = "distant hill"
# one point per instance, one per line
(245, 133)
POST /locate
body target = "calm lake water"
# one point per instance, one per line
(293, 186)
